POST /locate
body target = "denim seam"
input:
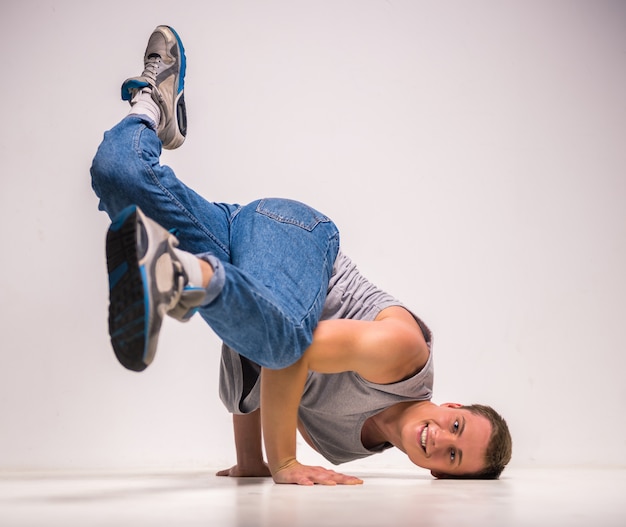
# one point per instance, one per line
(335, 238)
(317, 217)
(300, 323)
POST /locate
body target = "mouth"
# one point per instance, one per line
(424, 438)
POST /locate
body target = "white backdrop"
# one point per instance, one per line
(472, 153)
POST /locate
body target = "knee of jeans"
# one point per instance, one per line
(109, 164)
(109, 178)
(115, 174)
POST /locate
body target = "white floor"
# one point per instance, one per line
(544, 498)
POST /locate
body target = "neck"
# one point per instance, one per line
(383, 427)
(386, 426)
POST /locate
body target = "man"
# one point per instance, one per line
(309, 343)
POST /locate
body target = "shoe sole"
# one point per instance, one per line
(145, 282)
(180, 109)
(127, 307)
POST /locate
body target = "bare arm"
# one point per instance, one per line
(281, 391)
(249, 447)
(382, 351)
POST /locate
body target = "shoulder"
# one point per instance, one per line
(403, 342)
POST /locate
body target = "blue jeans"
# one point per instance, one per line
(277, 255)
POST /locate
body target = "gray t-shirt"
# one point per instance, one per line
(334, 407)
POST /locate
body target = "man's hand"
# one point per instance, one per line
(298, 474)
(250, 463)
(260, 470)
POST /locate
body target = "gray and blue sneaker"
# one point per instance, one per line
(146, 282)
(164, 74)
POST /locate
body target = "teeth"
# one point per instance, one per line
(424, 437)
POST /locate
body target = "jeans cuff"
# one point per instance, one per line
(142, 117)
(216, 284)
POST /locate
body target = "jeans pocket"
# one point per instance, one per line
(291, 212)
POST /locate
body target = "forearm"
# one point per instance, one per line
(281, 392)
(249, 447)
(248, 439)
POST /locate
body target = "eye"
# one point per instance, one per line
(455, 426)
(452, 455)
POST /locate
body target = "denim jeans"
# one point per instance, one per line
(277, 255)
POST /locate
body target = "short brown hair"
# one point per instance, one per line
(499, 448)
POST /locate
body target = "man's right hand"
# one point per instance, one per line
(298, 474)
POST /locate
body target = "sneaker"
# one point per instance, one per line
(146, 280)
(164, 73)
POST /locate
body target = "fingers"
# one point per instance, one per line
(330, 477)
(307, 476)
(296, 474)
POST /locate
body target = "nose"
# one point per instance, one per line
(441, 439)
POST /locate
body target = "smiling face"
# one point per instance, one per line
(446, 439)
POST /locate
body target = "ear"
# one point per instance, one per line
(452, 405)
